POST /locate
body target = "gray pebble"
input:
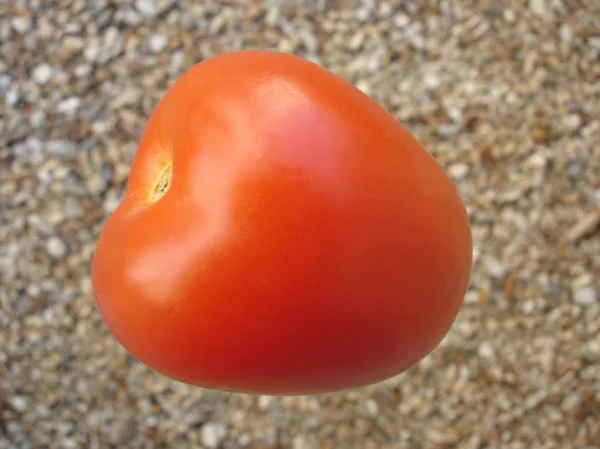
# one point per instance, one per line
(449, 129)
(61, 148)
(5, 82)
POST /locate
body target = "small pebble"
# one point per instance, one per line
(586, 296)
(212, 434)
(43, 73)
(448, 129)
(21, 24)
(486, 350)
(458, 171)
(371, 407)
(69, 106)
(19, 403)
(5, 82)
(147, 7)
(157, 43)
(495, 269)
(56, 247)
(61, 148)
(264, 402)
(472, 297)
(538, 7)
(565, 32)
(365, 86)
(573, 122)
(12, 97)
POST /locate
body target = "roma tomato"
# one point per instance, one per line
(281, 234)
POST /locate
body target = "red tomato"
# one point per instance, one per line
(281, 234)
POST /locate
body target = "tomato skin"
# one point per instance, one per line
(307, 242)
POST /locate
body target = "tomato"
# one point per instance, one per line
(281, 234)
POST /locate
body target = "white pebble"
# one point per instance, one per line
(401, 20)
(432, 80)
(244, 439)
(212, 434)
(486, 350)
(157, 43)
(385, 9)
(83, 70)
(70, 443)
(264, 402)
(565, 32)
(371, 407)
(356, 41)
(21, 24)
(69, 105)
(272, 17)
(299, 443)
(458, 171)
(19, 403)
(12, 97)
(571, 402)
(455, 113)
(147, 7)
(594, 42)
(42, 74)
(363, 14)
(92, 50)
(529, 306)
(129, 16)
(472, 297)
(495, 269)
(110, 204)
(365, 86)
(538, 7)
(585, 296)
(177, 63)
(56, 247)
(448, 129)
(537, 160)
(573, 122)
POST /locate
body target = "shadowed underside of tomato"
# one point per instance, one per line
(281, 234)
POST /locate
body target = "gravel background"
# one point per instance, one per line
(505, 94)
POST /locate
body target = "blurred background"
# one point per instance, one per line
(505, 94)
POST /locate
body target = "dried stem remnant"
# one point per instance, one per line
(163, 184)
